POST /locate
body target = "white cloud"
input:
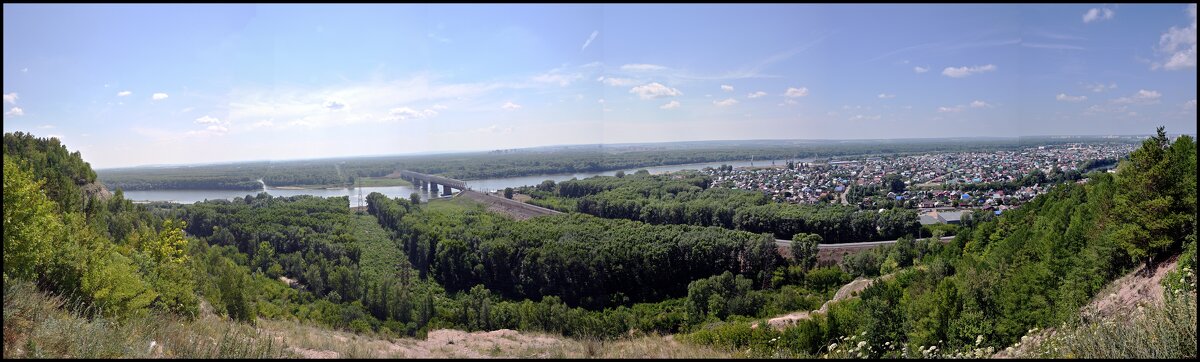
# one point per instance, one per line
(1095, 14)
(616, 82)
(789, 102)
(15, 111)
(1179, 45)
(123, 93)
(1190, 104)
(589, 40)
(641, 67)
(670, 105)
(208, 120)
(511, 106)
(796, 92)
(727, 88)
(886, 96)
(654, 90)
(11, 98)
(334, 105)
(962, 107)
(862, 117)
(1068, 98)
(965, 71)
(24, 70)
(920, 69)
(406, 113)
(1142, 97)
(159, 96)
(725, 103)
(1100, 87)
(756, 94)
(555, 76)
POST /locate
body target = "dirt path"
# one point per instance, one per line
(517, 210)
(845, 292)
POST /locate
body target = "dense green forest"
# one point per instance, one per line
(687, 198)
(524, 162)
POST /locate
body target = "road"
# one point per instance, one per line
(865, 244)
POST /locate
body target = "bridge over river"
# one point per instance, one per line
(431, 182)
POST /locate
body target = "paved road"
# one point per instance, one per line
(788, 243)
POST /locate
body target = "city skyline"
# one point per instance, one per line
(133, 85)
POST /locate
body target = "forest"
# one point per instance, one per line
(689, 198)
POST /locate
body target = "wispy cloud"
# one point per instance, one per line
(1142, 97)
(589, 40)
(1178, 45)
(15, 111)
(654, 90)
(886, 96)
(920, 69)
(670, 105)
(796, 92)
(557, 76)
(123, 93)
(616, 82)
(642, 67)
(511, 106)
(213, 127)
(964, 71)
(159, 96)
(10, 98)
(406, 113)
(1051, 46)
(962, 107)
(1100, 87)
(756, 94)
(1096, 14)
(727, 88)
(725, 102)
(1063, 97)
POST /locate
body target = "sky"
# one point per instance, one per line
(132, 85)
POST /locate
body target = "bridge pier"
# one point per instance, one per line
(446, 190)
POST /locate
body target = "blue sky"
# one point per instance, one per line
(167, 84)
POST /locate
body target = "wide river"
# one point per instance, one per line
(192, 196)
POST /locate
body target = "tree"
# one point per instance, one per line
(415, 198)
(804, 249)
(620, 174)
(508, 192)
(894, 183)
(547, 186)
(30, 222)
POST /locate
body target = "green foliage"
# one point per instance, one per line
(62, 172)
(30, 223)
(804, 249)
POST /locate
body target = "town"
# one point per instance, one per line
(941, 185)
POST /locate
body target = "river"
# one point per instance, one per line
(484, 185)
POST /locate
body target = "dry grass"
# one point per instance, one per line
(37, 325)
(1158, 331)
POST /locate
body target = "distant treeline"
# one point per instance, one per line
(685, 198)
(472, 166)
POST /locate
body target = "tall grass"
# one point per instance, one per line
(37, 325)
(1157, 331)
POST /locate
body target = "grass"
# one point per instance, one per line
(1157, 331)
(37, 325)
